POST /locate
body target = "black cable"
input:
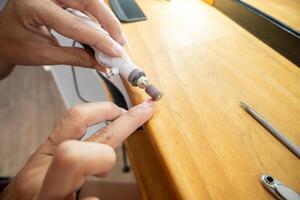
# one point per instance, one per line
(76, 86)
(126, 167)
(75, 80)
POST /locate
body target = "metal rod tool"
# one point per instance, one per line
(281, 137)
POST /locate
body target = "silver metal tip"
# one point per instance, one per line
(244, 105)
(158, 97)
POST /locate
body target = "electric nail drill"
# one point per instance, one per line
(121, 65)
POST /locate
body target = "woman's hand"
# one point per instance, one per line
(25, 36)
(59, 167)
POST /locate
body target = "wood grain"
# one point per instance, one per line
(286, 11)
(211, 2)
(153, 182)
(208, 147)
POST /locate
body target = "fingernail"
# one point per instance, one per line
(122, 39)
(125, 41)
(147, 104)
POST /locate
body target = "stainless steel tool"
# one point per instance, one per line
(278, 189)
(280, 136)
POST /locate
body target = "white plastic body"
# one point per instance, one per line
(123, 64)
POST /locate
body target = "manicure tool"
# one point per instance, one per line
(278, 189)
(120, 65)
(282, 138)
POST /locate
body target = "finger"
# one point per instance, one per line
(76, 120)
(72, 162)
(74, 27)
(122, 127)
(53, 55)
(46, 33)
(71, 56)
(99, 10)
(43, 53)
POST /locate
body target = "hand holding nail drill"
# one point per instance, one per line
(59, 167)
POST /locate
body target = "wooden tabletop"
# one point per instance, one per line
(205, 64)
(286, 11)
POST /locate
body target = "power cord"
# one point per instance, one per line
(76, 86)
(76, 82)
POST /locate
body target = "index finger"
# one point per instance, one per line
(77, 119)
(99, 10)
(123, 126)
(71, 26)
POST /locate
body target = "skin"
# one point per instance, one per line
(60, 165)
(26, 39)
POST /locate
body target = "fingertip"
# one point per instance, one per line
(126, 43)
(150, 107)
(150, 111)
(73, 56)
(149, 103)
(145, 110)
(121, 39)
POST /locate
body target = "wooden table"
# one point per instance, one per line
(200, 144)
(286, 11)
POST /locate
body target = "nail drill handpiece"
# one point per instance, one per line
(123, 64)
